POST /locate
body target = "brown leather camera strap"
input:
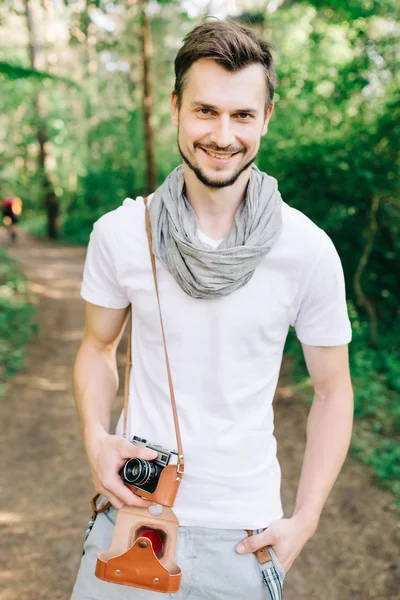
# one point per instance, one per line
(128, 365)
(129, 354)
(262, 554)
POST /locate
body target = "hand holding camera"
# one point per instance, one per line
(141, 538)
(107, 455)
(144, 474)
(157, 480)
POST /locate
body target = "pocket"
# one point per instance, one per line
(273, 576)
(277, 563)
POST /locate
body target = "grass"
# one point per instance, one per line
(17, 318)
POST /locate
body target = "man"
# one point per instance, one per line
(12, 209)
(236, 267)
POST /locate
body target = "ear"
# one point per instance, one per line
(174, 110)
(270, 110)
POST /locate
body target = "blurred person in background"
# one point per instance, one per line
(12, 209)
(236, 267)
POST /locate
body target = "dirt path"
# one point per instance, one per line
(46, 485)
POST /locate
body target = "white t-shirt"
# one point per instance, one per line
(225, 356)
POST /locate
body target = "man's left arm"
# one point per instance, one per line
(329, 429)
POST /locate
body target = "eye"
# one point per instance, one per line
(205, 111)
(244, 116)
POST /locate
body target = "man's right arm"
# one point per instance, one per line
(95, 381)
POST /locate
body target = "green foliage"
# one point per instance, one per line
(334, 146)
(12, 71)
(17, 318)
(352, 9)
(381, 454)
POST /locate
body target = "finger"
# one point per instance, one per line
(128, 450)
(130, 500)
(113, 499)
(254, 542)
(145, 453)
(128, 497)
(112, 486)
(123, 497)
(139, 501)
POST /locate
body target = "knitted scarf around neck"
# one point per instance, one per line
(203, 271)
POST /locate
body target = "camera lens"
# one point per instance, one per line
(140, 472)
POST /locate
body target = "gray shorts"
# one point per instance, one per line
(211, 568)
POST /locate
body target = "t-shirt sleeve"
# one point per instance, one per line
(100, 284)
(322, 318)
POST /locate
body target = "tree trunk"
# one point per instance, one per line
(362, 299)
(147, 99)
(41, 133)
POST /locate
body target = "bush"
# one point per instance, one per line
(17, 318)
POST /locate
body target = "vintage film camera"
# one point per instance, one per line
(143, 545)
(145, 475)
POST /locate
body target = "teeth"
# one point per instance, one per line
(218, 155)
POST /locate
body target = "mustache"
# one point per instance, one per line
(214, 148)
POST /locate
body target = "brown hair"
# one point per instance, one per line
(231, 45)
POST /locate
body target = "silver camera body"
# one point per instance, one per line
(164, 457)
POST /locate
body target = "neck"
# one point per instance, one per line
(215, 208)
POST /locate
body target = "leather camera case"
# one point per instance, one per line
(131, 559)
(167, 487)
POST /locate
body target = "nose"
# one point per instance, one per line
(222, 134)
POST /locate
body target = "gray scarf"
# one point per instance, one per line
(202, 271)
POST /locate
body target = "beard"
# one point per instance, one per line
(212, 183)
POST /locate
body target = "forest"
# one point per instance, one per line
(84, 123)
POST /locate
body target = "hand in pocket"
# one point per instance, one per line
(286, 536)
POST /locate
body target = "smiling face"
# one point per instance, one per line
(221, 120)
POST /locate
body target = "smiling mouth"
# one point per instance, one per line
(219, 155)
